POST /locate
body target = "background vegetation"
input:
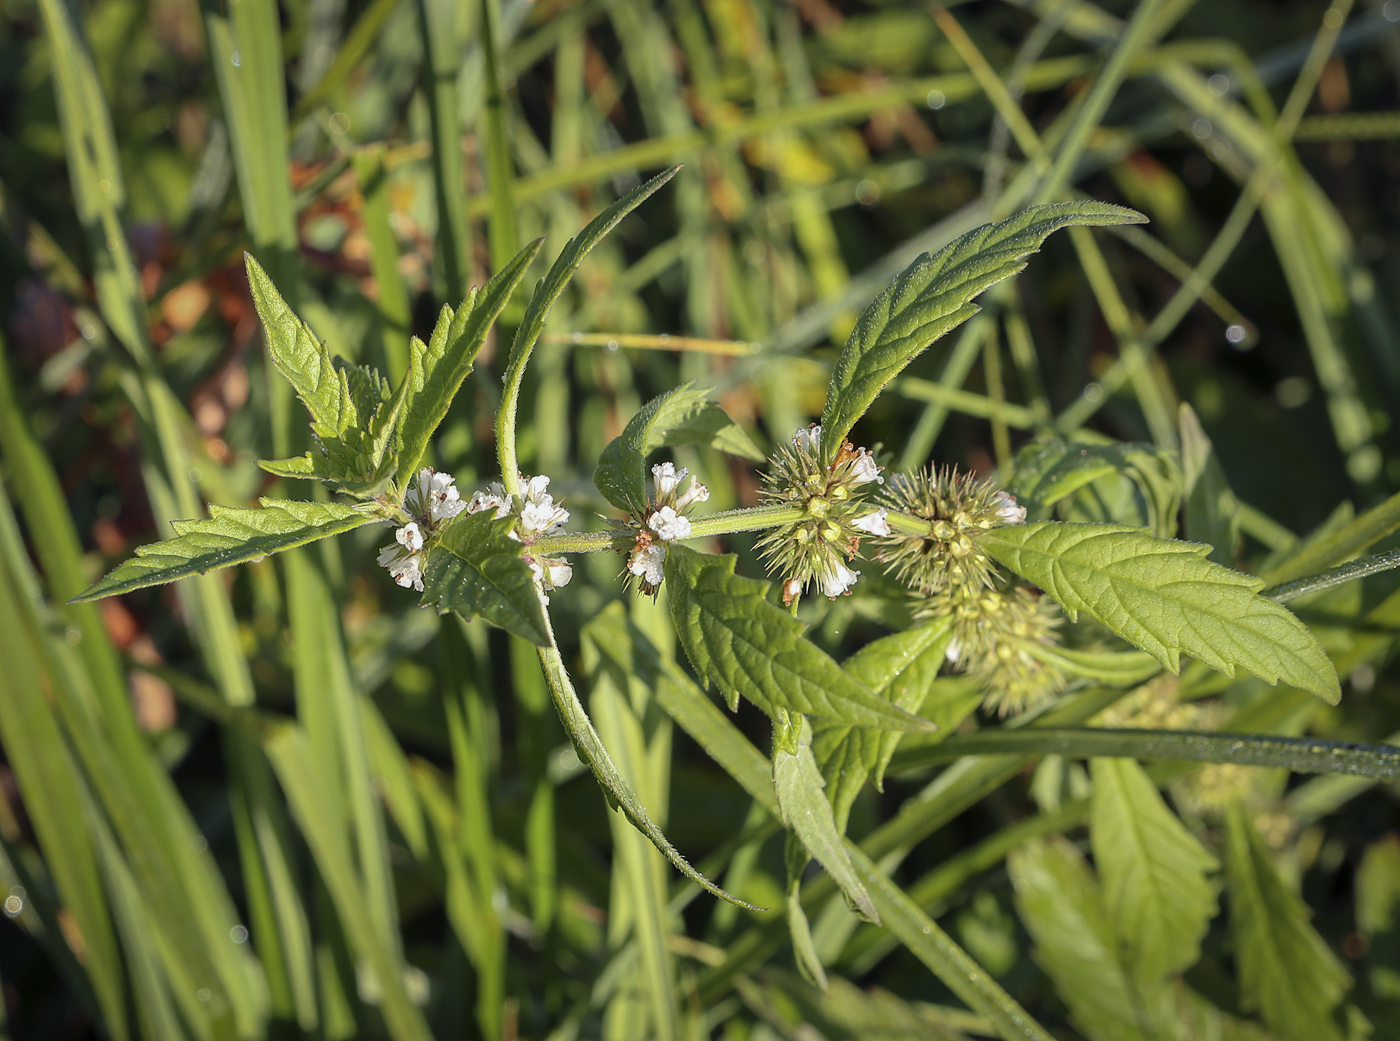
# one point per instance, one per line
(283, 801)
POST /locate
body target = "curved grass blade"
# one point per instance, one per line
(230, 536)
(1165, 598)
(745, 645)
(1303, 755)
(933, 296)
(592, 751)
(537, 311)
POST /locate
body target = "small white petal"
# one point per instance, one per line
(864, 470)
(874, 523)
(537, 489)
(559, 571)
(839, 580)
(954, 651)
(646, 563)
(697, 492)
(808, 438)
(667, 477)
(1008, 510)
(668, 524)
(481, 501)
(388, 555)
(792, 588)
(409, 537)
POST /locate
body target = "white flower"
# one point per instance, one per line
(538, 514)
(873, 523)
(808, 438)
(409, 537)
(838, 580)
(954, 650)
(558, 571)
(483, 501)
(864, 470)
(667, 479)
(697, 492)
(792, 588)
(668, 524)
(1008, 510)
(405, 567)
(435, 498)
(645, 562)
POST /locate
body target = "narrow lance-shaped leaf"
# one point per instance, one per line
(1211, 510)
(1153, 871)
(1287, 972)
(476, 569)
(745, 645)
(230, 536)
(436, 369)
(682, 416)
(934, 295)
(805, 809)
(1164, 597)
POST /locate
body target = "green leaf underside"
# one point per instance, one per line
(1048, 472)
(477, 570)
(1153, 870)
(805, 809)
(1165, 598)
(564, 266)
(683, 416)
(934, 295)
(437, 369)
(900, 668)
(1287, 972)
(230, 536)
(743, 644)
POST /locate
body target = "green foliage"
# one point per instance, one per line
(805, 809)
(1165, 598)
(1066, 473)
(1287, 973)
(744, 645)
(230, 536)
(1155, 890)
(934, 296)
(681, 416)
(475, 569)
(437, 369)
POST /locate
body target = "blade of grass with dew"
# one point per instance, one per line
(470, 742)
(638, 877)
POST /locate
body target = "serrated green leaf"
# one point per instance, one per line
(804, 809)
(349, 405)
(477, 570)
(1058, 899)
(745, 645)
(934, 295)
(436, 369)
(1211, 512)
(683, 416)
(1153, 870)
(230, 536)
(1165, 598)
(1287, 972)
(900, 668)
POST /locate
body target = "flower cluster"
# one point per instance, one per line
(663, 522)
(537, 514)
(958, 508)
(819, 547)
(431, 502)
(994, 635)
